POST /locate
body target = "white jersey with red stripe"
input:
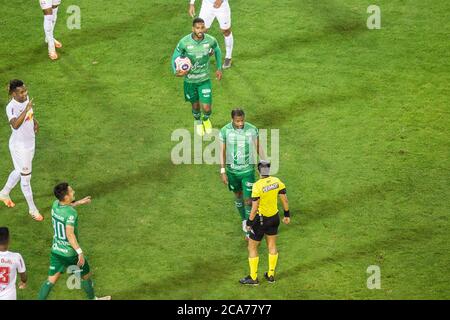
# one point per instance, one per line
(24, 136)
(11, 263)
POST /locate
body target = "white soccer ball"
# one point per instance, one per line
(183, 64)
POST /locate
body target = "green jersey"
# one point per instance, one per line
(241, 153)
(198, 53)
(63, 216)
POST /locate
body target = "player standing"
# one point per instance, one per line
(21, 145)
(66, 250)
(264, 220)
(11, 263)
(239, 146)
(50, 9)
(219, 9)
(197, 83)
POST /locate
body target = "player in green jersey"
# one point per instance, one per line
(66, 251)
(197, 83)
(238, 158)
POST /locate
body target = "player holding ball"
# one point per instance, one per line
(197, 83)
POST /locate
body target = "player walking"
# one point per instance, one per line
(50, 9)
(21, 145)
(239, 146)
(220, 9)
(11, 263)
(66, 250)
(264, 220)
(197, 83)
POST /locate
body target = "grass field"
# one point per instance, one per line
(365, 145)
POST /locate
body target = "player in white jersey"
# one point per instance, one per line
(24, 126)
(220, 9)
(50, 9)
(11, 263)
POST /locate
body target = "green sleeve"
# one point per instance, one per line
(222, 135)
(179, 50)
(72, 217)
(218, 55)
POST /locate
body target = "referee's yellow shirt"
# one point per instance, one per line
(267, 189)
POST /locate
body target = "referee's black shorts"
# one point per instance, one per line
(269, 226)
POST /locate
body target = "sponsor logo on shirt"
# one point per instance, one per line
(270, 187)
(6, 261)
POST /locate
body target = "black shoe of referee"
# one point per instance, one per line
(249, 281)
(270, 279)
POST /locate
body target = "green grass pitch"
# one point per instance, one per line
(364, 129)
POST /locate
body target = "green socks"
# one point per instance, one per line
(45, 290)
(88, 287)
(240, 207)
(206, 115)
(248, 209)
(197, 114)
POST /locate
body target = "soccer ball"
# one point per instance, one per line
(183, 64)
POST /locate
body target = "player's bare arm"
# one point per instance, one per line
(192, 9)
(85, 200)
(23, 280)
(223, 152)
(218, 55)
(255, 206)
(285, 203)
(17, 122)
(260, 149)
(218, 4)
(70, 232)
(36, 125)
(181, 73)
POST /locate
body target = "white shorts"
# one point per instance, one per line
(10, 295)
(22, 159)
(209, 13)
(47, 4)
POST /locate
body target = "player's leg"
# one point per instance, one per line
(46, 6)
(24, 159)
(223, 15)
(13, 180)
(253, 259)
(234, 184)
(48, 285)
(87, 284)
(207, 14)
(205, 96)
(239, 203)
(272, 225)
(191, 95)
(86, 280)
(57, 266)
(55, 6)
(247, 181)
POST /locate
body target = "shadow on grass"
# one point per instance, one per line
(87, 36)
(189, 283)
(390, 241)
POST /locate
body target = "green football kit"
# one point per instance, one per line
(197, 83)
(63, 255)
(241, 155)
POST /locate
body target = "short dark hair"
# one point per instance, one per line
(4, 235)
(14, 84)
(61, 190)
(264, 167)
(197, 20)
(237, 112)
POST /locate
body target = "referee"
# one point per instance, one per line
(264, 220)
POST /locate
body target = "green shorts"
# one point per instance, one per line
(60, 263)
(194, 92)
(241, 182)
